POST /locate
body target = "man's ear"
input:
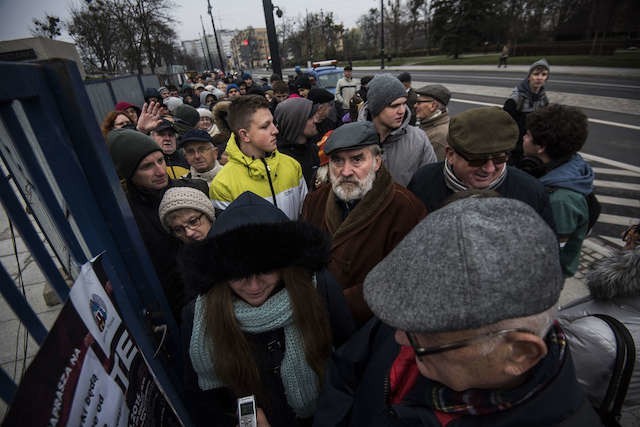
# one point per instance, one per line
(243, 134)
(526, 350)
(448, 153)
(378, 161)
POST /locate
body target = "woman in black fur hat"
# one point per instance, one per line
(258, 324)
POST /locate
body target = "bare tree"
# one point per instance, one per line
(50, 26)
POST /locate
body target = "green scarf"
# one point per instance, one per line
(299, 380)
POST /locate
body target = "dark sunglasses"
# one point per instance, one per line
(476, 163)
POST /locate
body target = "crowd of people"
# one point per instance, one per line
(363, 258)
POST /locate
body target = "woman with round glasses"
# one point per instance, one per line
(265, 319)
(186, 213)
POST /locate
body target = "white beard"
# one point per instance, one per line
(350, 189)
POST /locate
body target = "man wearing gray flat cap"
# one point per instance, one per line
(406, 147)
(479, 143)
(465, 333)
(433, 117)
(361, 208)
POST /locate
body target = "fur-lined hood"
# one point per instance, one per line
(220, 112)
(616, 276)
(251, 236)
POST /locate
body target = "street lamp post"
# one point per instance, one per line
(204, 33)
(215, 36)
(271, 36)
(382, 34)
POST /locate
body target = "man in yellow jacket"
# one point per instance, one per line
(254, 162)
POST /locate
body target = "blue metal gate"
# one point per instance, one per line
(55, 154)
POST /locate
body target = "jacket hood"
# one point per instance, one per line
(203, 97)
(220, 111)
(575, 174)
(291, 116)
(251, 236)
(524, 89)
(616, 276)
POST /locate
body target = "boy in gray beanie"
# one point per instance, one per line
(466, 304)
(405, 147)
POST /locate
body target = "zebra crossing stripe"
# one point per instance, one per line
(621, 201)
(616, 184)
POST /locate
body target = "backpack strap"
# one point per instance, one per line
(609, 410)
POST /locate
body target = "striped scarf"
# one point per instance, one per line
(299, 380)
(456, 185)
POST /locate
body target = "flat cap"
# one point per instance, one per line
(164, 125)
(351, 136)
(194, 135)
(482, 132)
(472, 263)
(437, 92)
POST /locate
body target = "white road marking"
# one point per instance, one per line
(610, 162)
(610, 171)
(616, 184)
(616, 219)
(620, 201)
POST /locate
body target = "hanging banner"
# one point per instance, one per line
(89, 371)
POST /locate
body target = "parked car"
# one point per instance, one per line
(327, 74)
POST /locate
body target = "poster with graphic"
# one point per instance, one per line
(89, 371)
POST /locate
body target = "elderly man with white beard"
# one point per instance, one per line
(362, 209)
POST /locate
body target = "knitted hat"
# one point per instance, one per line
(162, 89)
(185, 118)
(383, 90)
(437, 92)
(302, 82)
(232, 86)
(251, 236)
(246, 76)
(128, 148)
(351, 136)
(482, 132)
(151, 92)
(194, 135)
(404, 77)
(123, 105)
(205, 112)
(472, 263)
(320, 96)
(184, 198)
(172, 102)
(540, 63)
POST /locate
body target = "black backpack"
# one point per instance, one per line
(609, 409)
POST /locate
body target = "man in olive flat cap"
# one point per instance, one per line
(480, 141)
(362, 209)
(465, 332)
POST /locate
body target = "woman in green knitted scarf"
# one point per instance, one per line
(265, 317)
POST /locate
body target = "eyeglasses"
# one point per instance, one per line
(476, 163)
(200, 150)
(425, 351)
(193, 223)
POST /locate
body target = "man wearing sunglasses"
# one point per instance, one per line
(479, 141)
(465, 333)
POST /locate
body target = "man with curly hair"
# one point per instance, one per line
(554, 136)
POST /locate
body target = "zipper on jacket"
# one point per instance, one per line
(273, 192)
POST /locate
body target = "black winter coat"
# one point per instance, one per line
(354, 393)
(161, 246)
(428, 184)
(217, 407)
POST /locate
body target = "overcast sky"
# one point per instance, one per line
(16, 15)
